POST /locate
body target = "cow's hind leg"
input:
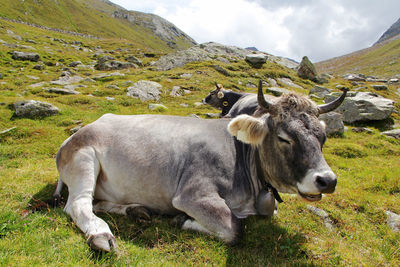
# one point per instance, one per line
(209, 214)
(136, 212)
(80, 175)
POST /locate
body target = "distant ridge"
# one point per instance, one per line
(393, 31)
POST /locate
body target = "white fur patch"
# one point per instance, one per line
(248, 129)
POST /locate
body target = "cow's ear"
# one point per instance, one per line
(220, 94)
(248, 129)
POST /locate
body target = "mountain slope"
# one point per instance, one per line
(393, 31)
(94, 17)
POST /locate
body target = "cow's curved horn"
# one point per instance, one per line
(261, 99)
(334, 104)
(216, 85)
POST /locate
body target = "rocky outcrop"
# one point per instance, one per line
(363, 106)
(306, 70)
(108, 63)
(393, 133)
(319, 91)
(25, 56)
(34, 109)
(211, 51)
(256, 60)
(393, 31)
(393, 220)
(145, 90)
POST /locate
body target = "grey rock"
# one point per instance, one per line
(75, 129)
(320, 91)
(379, 87)
(221, 70)
(277, 91)
(145, 90)
(25, 56)
(72, 87)
(115, 65)
(38, 67)
(398, 91)
(66, 80)
(184, 105)
(363, 106)
(323, 215)
(34, 109)
(186, 75)
(112, 86)
(256, 60)
(334, 123)
(393, 220)
(354, 77)
(74, 64)
(62, 91)
(134, 60)
(289, 82)
(110, 98)
(198, 104)
(362, 130)
(306, 70)
(36, 85)
(102, 76)
(251, 85)
(393, 133)
(176, 91)
(272, 82)
(393, 81)
(157, 107)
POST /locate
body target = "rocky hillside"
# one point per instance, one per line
(98, 18)
(392, 32)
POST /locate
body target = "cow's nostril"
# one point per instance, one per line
(326, 184)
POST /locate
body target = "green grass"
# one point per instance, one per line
(33, 233)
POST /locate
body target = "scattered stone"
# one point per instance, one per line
(66, 80)
(398, 91)
(320, 91)
(32, 77)
(393, 80)
(145, 90)
(90, 80)
(355, 77)
(176, 91)
(127, 83)
(379, 87)
(157, 107)
(393, 220)
(72, 87)
(392, 133)
(74, 64)
(277, 91)
(25, 56)
(184, 105)
(34, 109)
(38, 67)
(109, 98)
(62, 91)
(362, 130)
(102, 76)
(289, 82)
(35, 85)
(134, 60)
(334, 123)
(363, 106)
(323, 215)
(251, 85)
(272, 82)
(13, 35)
(186, 75)
(212, 115)
(8, 130)
(198, 104)
(256, 60)
(112, 86)
(108, 63)
(306, 70)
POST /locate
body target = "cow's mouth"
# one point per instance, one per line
(311, 197)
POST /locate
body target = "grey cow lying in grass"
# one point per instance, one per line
(208, 172)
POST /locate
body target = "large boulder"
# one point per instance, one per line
(108, 63)
(145, 90)
(306, 70)
(256, 60)
(34, 109)
(392, 133)
(334, 123)
(320, 91)
(25, 56)
(363, 106)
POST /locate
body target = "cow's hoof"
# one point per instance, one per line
(139, 213)
(103, 242)
(180, 219)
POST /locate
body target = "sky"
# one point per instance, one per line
(319, 29)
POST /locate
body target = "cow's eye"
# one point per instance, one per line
(283, 139)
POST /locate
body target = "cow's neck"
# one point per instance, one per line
(230, 98)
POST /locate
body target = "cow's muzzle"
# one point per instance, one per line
(326, 182)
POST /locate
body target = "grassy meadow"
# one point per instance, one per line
(33, 233)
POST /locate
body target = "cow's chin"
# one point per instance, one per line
(310, 197)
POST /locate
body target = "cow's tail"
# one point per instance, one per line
(57, 193)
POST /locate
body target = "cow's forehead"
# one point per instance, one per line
(301, 123)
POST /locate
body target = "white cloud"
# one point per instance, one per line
(292, 28)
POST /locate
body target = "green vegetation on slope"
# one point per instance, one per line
(32, 233)
(382, 60)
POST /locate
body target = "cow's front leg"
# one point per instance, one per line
(209, 214)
